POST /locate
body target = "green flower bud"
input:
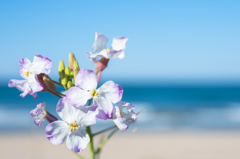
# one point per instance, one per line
(71, 60)
(61, 67)
(75, 71)
(64, 78)
(73, 81)
(75, 65)
(69, 84)
(68, 71)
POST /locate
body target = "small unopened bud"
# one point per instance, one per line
(40, 79)
(48, 81)
(63, 78)
(73, 81)
(75, 72)
(102, 64)
(75, 65)
(50, 118)
(61, 67)
(71, 60)
(69, 84)
(68, 71)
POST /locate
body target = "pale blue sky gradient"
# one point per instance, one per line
(168, 40)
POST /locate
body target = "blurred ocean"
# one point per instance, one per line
(167, 107)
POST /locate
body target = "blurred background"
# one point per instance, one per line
(181, 61)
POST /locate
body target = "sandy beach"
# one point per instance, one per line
(157, 145)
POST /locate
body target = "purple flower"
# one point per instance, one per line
(70, 128)
(29, 72)
(86, 88)
(39, 113)
(123, 119)
(117, 48)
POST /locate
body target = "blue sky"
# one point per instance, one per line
(168, 40)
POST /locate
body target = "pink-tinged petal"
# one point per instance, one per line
(118, 120)
(57, 132)
(40, 64)
(100, 42)
(77, 140)
(26, 90)
(17, 83)
(35, 95)
(119, 43)
(89, 117)
(95, 57)
(114, 54)
(34, 84)
(86, 79)
(101, 115)
(103, 104)
(24, 66)
(78, 97)
(112, 91)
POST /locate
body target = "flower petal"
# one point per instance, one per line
(100, 42)
(40, 64)
(95, 57)
(89, 116)
(34, 84)
(114, 54)
(103, 104)
(26, 90)
(24, 66)
(57, 132)
(101, 115)
(118, 120)
(86, 79)
(119, 43)
(17, 83)
(78, 97)
(77, 140)
(112, 91)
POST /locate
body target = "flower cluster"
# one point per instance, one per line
(81, 87)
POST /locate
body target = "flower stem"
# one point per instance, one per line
(91, 147)
(60, 93)
(56, 82)
(97, 133)
(53, 93)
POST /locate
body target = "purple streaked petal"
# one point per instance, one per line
(119, 43)
(38, 110)
(89, 117)
(112, 91)
(17, 83)
(95, 57)
(101, 115)
(116, 53)
(100, 42)
(26, 90)
(34, 84)
(24, 66)
(78, 97)
(57, 132)
(77, 140)
(40, 64)
(103, 104)
(86, 79)
(118, 120)
(39, 121)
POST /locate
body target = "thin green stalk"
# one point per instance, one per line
(53, 93)
(105, 141)
(60, 93)
(104, 130)
(56, 82)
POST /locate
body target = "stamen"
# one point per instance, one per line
(108, 50)
(73, 126)
(94, 93)
(26, 73)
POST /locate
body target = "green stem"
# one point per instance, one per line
(91, 147)
(105, 141)
(56, 82)
(60, 93)
(53, 93)
(104, 130)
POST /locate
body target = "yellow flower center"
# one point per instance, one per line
(73, 126)
(26, 73)
(94, 93)
(108, 50)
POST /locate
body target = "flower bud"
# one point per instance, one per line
(63, 78)
(48, 81)
(73, 81)
(75, 65)
(75, 71)
(71, 60)
(69, 84)
(102, 64)
(50, 118)
(68, 71)
(61, 67)
(40, 79)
